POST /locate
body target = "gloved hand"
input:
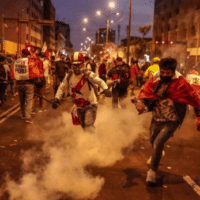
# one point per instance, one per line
(107, 93)
(55, 103)
(139, 106)
(116, 81)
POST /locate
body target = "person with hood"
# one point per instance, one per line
(80, 84)
(166, 94)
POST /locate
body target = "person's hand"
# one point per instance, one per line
(139, 106)
(107, 93)
(116, 81)
(55, 103)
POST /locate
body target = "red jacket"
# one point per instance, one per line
(135, 70)
(179, 91)
(102, 69)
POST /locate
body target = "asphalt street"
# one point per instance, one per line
(178, 175)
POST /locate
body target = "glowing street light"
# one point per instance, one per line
(81, 44)
(117, 14)
(98, 12)
(111, 5)
(84, 29)
(85, 20)
(111, 21)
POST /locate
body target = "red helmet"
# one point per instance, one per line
(77, 58)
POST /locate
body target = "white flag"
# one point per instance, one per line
(44, 48)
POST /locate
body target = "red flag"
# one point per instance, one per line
(179, 90)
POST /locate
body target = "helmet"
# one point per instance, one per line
(26, 52)
(77, 58)
(156, 59)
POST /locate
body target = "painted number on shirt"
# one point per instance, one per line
(20, 68)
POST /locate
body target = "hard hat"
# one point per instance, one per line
(156, 59)
(26, 52)
(77, 58)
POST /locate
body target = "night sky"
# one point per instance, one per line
(73, 12)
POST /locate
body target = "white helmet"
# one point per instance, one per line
(77, 58)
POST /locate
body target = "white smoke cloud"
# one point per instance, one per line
(60, 167)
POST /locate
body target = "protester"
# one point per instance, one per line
(80, 85)
(151, 69)
(119, 78)
(136, 76)
(61, 70)
(3, 79)
(25, 71)
(166, 94)
(102, 70)
(39, 85)
(47, 70)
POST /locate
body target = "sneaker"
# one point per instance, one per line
(41, 110)
(29, 121)
(22, 116)
(33, 112)
(151, 178)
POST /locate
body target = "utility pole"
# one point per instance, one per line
(119, 27)
(129, 31)
(197, 50)
(1, 31)
(107, 30)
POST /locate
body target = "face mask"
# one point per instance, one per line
(165, 79)
(77, 70)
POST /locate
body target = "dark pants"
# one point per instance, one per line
(160, 132)
(118, 94)
(87, 116)
(3, 87)
(39, 91)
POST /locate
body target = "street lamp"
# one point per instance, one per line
(111, 5)
(84, 29)
(85, 20)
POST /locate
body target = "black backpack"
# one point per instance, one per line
(2, 72)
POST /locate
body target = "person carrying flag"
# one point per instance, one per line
(25, 72)
(166, 94)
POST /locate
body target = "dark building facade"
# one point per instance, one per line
(177, 22)
(49, 13)
(101, 36)
(15, 34)
(64, 29)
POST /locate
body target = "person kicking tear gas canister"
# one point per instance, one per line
(80, 86)
(166, 94)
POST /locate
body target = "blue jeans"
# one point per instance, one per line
(160, 132)
(26, 92)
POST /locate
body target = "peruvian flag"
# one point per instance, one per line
(179, 90)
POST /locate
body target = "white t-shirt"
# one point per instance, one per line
(46, 66)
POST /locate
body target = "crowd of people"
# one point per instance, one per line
(163, 91)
